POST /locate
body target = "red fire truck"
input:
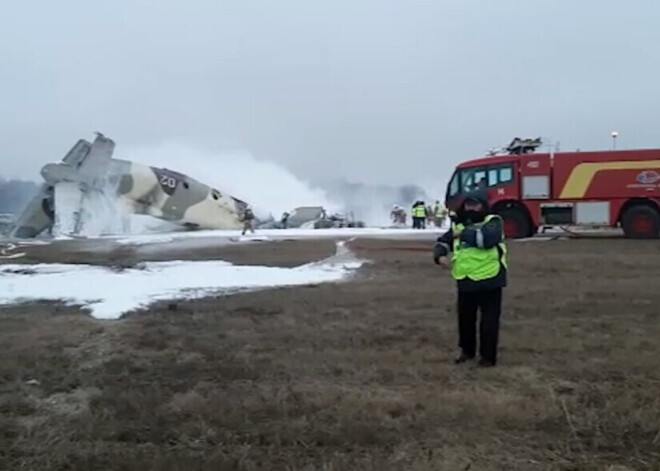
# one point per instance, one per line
(530, 190)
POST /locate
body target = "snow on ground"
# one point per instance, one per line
(270, 234)
(109, 293)
(146, 239)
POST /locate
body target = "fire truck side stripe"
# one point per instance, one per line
(581, 176)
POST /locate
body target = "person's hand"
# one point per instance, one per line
(457, 233)
(444, 262)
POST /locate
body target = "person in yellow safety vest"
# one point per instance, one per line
(478, 263)
(439, 214)
(421, 214)
(418, 215)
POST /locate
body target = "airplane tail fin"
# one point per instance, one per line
(94, 167)
(77, 153)
(81, 192)
(73, 184)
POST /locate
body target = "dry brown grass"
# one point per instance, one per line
(350, 376)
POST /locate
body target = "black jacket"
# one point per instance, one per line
(487, 236)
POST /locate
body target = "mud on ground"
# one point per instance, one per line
(285, 253)
(355, 375)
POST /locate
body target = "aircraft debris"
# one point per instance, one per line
(311, 217)
(90, 193)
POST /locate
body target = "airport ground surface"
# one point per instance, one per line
(349, 376)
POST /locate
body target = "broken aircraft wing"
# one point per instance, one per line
(37, 215)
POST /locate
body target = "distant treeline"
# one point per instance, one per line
(15, 195)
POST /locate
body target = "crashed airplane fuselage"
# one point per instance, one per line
(89, 189)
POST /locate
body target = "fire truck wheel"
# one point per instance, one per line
(641, 222)
(516, 224)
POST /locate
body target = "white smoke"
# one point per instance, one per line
(371, 205)
(89, 213)
(269, 188)
(374, 203)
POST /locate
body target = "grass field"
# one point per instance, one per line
(353, 376)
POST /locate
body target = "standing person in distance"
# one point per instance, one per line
(248, 220)
(415, 215)
(478, 263)
(439, 214)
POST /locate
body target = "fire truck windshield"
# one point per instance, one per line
(454, 185)
(468, 179)
(472, 178)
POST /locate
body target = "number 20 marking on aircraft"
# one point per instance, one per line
(168, 181)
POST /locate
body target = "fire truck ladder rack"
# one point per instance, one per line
(517, 146)
(523, 146)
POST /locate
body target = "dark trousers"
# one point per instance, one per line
(490, 304)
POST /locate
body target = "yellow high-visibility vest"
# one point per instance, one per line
(476, 263)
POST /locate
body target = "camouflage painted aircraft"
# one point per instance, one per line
(89, 181)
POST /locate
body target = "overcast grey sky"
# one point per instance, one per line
(390, 90)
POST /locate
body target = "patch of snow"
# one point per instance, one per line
(110, 293)
(272, 234)
(30, 242)
(154, 239)
(533, 239)
(255, 238)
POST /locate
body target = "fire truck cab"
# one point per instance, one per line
(530, 190)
